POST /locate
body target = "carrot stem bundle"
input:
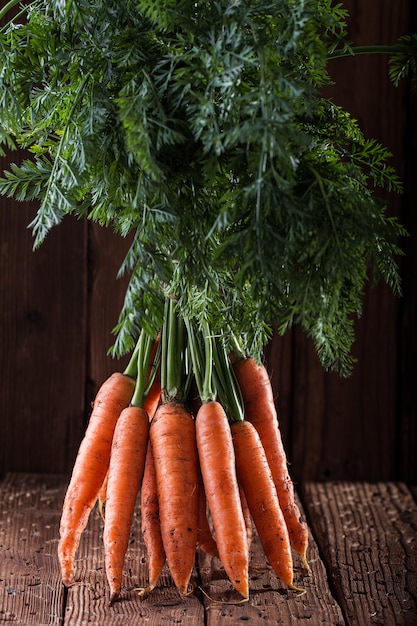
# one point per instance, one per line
(143, 438)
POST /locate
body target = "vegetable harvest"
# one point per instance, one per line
(199, 130)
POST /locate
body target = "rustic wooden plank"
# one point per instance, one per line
(30, 587)
(366, 535)
(42, 338)
(270, 601)
(326, 408)
(31, 592)
(106, 251)
(278, 355)
(368, 539)
(88, 600)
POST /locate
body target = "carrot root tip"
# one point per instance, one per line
(143, 592)
(241, 601)
(101, 509)
(306, 564)
(114, 598)
(299, 590)
(187, 591)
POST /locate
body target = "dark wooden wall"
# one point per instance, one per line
(58, 305)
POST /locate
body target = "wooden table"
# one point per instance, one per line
(363, 557)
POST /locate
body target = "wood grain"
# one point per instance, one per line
(368, 540)
(363, 556)
(270, 601)
(42, 339)
(88, 599)
(106, 251)
(279, 356)
(30, 586)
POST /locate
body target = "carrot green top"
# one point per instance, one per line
(199, 129)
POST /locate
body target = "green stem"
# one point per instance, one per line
(208, 391)
(152, 369)
(8, 7)
(226, 383)
(145, 345)
(132, 367)
(200, 349)
(172, 374)
(237, 348)
(14, 18)
(194, 349)
(164, 351)
(338, 54)
(173, 380)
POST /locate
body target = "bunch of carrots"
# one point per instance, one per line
(193, 430)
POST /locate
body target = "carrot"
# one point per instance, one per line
(102, 496)
(153, 354)
(90, 467)
(151, 529)
(151, 401)
(172, 434)
(153, 396)
(152, 392)
(127, 462)
(261, 412)
(247, 517)
(205, 539)
(217, 461)
(150, 405)
(256, 479)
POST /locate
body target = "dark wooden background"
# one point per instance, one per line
(59, 304)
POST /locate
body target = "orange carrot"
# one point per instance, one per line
(260, 410)
(154, 395)
(90, 467)
(150, 402)
(217, 461)
(205, 539)
(127, 462)
(256, 479)
(102, 496)
(153, 379)
(151, 529)
(247, 517)
(172, 434)
(153, 352)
